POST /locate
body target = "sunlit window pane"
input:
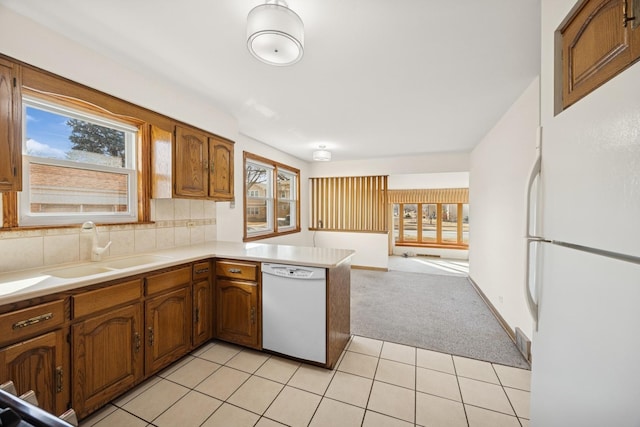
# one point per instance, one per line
(429, 223)
(449, 223)
(410, 222)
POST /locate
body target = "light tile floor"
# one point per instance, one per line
(375, 384)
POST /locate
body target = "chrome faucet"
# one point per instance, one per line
(96, 251)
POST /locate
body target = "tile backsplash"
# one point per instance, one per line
(177, 222)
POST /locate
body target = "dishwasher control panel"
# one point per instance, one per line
(293, 271)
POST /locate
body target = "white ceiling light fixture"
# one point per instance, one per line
(275, 34)
(322, 155)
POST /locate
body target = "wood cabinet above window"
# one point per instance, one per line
(598, 40)
(10, 127)
(197, 165)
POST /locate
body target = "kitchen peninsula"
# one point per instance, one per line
(114, 323)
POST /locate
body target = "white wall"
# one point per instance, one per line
(426, 163)
(27, 41)
(500, 166)
(429, 180)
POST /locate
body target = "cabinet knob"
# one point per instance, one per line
(253, 315)
(151, 340)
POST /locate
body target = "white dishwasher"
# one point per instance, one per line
(294, 311)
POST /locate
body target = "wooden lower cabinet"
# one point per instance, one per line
(108, 358)
(39, 364)
(168, 328)
(202, 312)
(237, 313)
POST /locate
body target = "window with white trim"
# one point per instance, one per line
(76, 167)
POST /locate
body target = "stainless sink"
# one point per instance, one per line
(105, 266)
(135, 261)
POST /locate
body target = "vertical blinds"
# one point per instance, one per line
(355, 203)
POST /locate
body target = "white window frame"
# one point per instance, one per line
(26, 217)
(293, 202)
(268, 198)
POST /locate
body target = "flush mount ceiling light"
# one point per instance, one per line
(275, 34)
(322, 155)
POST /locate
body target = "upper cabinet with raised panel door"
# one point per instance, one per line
(199, 165)
(220, 169)
(10, 127)
(598, 40)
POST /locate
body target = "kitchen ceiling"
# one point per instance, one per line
(378, 78)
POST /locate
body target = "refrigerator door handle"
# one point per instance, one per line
(531, 301)
(535, 172)
(530, 238)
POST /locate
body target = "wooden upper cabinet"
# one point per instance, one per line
(191, 163)
(597, 42)
(10, 127)
(199, 165)
(221, 169)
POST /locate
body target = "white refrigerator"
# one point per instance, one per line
(583, 274)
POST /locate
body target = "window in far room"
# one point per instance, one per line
(437, 217)
(272, 197)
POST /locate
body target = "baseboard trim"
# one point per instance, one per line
(494, 310)
(364, 267)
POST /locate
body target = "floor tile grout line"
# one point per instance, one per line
(464, 408)
(505, 393)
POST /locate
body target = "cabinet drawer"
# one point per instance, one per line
(19, 324)
(201, 270)
(164, 281)
(237, 270)
(111, 296)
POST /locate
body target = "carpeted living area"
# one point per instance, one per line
(435, 312)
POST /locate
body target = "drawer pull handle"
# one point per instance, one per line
(235, 270)
(202, 270)
(59, 379)
(24, 323)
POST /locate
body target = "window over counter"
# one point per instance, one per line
(272, 198)
(77, 166)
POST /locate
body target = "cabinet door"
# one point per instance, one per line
(237, 312)
(37, 364)
(107, 357)
(191, 165)
(10, 127)
(221, 169)
(202, 312)
(168, 328)
(634, 10)
(595, 47)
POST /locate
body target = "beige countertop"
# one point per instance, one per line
(24, 284)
